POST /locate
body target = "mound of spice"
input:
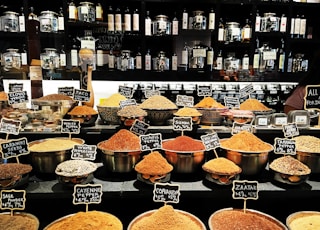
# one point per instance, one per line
(55, 97)
(153, 164)
(158, 102)
(208, 102)
(166, 218)
(82, 110)
(123, 140)
(3, 96)
(10, 170)
(19, 221)
(253, 104)
(190, 112)
(307, 143)
(131, 111)
(246, 141)
(113, 100)
(183, 143)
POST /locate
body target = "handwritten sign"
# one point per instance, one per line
(126, 91)
(81, 95)
(10, 126)
(312, 97)
(17, 97)
(232, 102)
(245, 91)
(244, 189)
(150, 141)
(13, 199)
(167, 193)
(150, 93)
(84, 152)
(185, 101)
(290, 130)
(238, 127)
(128, 102)
(284, 146)
(15, 87)
(70, 126)
(14, 148)
(68, 91)
(139, 127)
(210, 141)
(204, 90)
(182, 123)
(87, 194)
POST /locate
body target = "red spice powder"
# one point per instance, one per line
(121, 140)
(183, 143)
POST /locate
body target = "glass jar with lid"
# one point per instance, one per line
(10, 21)
(199, 20)
(86, 12)
(198, 56)
(233, 32)
(12, 59)
(50, 59)
(48, 21)
(270, 23)
(125, 61)
(161, 25)
(161, 62)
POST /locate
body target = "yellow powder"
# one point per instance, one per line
(209, 102)
(192, 112)
(113, 100)
(253, 104)
(53, 144)
(308, 222)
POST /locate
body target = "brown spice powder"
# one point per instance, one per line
(209, 102)
(183, 143)
(122, 140)
(82, 110)
(18, 222)
(55, 97)
(153, 164)
(10, 170)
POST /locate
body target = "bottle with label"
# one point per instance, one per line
(303, 25)
(147, 60)
(22, 21)
(174, 61)
(281, 57)
(63, 58)
(210, 56)
(212, 19)
(110, 20)
(221, 31)
(283, 24)
(127, 20)
(147, 24)
(60, 20)
(136, 21)
(258, 22)
(219, 61)
(256, 58)
(175, 25)
(296, 31)
(185, 18)
(99, 12)
(118, 20)
(245, 62)
(72, 11)
(290, 63)
(111, 60)
(246, 32)
(24, 56)
(138, 60)
(185, 57)
(100, 56)
(74, 54)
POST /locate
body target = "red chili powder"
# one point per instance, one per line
(122, 140)
(183, 143)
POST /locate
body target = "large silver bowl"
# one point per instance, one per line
(306, 215)
(312, 160)
(211, 116)
(159, 116)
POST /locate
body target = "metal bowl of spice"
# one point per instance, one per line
(85, 114)
(130, 113)
(189, 112)
(14, 175)
(108, 115)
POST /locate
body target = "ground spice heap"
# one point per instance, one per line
(10, 170)
(113, 100)
(166, 218)
(55, 97)
(131, 111)
(183, 143)
(188, 112)
(18, 222)
(253, 104)
(208, 102)
(153, 164)
(123, 140)
(3, 96)
(82, 110)
(158, 102)
(245, 141)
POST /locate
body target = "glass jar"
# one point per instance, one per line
(269, 22)
(50, 59)
(125, 61)
(10, 21)
(198, 56)
(199, 20)
(161, 25)
(48, 21)
(233, 33)
(86, 12)
(12, 59)
(161, 62)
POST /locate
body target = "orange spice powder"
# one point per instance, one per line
(209, 102)
(253, 104)
(183, 143)
(82, 110)
(153, 164)
(121, 141)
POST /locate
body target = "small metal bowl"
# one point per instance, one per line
(211, 116)
(152, 180)
(109, 114)
(127, 122)
(159, 116)
(288, 179)
(302, 214)
(312, 160)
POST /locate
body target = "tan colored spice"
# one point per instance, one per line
(53, 144)
(83, 110)
(18, 222)
(153, 164)
(123, 140)
(289, 166)
(132, 111)
(208, 102)
(55, 97)
(188, 112)
(253, 104)
(221, 166)
(3, 96)
(158, 102)
(113, 100)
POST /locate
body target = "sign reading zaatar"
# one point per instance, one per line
(238, 127)
(244, 189)
(245, 91)
(185, 101)
(87, 194)
(204, 90)
(126, 91)
(232, 102)
(81, 95)
(165, 192)
(150, 141)
(128, 102)
(10, 126)
(182, 123)
(284, 146)
(17, 97)
(290, 130)
(68, 91)
(210, 141)
(150, 93)
(15, 87)
(312, 97)
(13, 199)
(139, 127)
(84, 152)
(14, 148)
(70, 126)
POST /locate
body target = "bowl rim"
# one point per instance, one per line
(294, 215)
(24, 214)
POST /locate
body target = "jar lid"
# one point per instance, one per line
(86, 3)
(48, 12)
(161, 16)
(12, 50)
(10, 12)
(197, 12)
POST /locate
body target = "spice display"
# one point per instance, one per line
(82, 110)
(18, 222)
(10, 170)
(187, 112)
(166, 218)
(245, 141)
(183, 143)
(132, 111)
(238, 219)
(253, 104)
(123, 140)
(158, 102)
(72, 168)
(3, 96)
(307, 143)
(55, 97)
(91, 220)
(113, 100)
(209, 102)
(305, 220)
(289, 166)
(53, 144)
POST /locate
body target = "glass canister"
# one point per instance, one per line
(125, 61)
(86, 12)
(269, 22)
(233, 32)
(199, 20)
(161, 62)
(161, 25)
(48, 21)
(12, 59)
(50, 59)
(10, 21)
(198, 55)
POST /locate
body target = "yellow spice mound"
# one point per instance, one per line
(221, 166)
(53, 144)
(253, 104)
(209, 102)
(187, 112)
(166, 218)
(246, 141)
(306, 222)
(113, 100)
(158, 102)
(153, 164)
(92, 220)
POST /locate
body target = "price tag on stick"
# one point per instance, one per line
(182, 123)
(84, 152)
(68, 91)
(139, 127)
(290, 130)
(204, 90)
(81, 95)
(165, 192)
(17, 97)
(244, 189)
(70, 126)
(15, 148)
(284, 146)
(13, 200)
(151, 141)
(126, 91)
(10, 126)
(211, 142)
(87, 194)
(312, 97)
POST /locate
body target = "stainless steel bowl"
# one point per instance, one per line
(159, 116)
(312, 160)
(302, 214)
(109, 114)
(211, 116)
(46, 162)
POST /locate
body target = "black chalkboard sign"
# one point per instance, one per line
(81, 95)
(245, 91)
(139, 127)
(126, 91)
(14, 148)
(244, 189)
(232, 102)
(128, 102)
(290, 130)
(204, 90)
(150, 93)
(150, 141)
(84, 152)
(165, 192)
(10, 126)
(107, 40)
(284, 146)
(182, 123)
(210, 141)
(312, 97)
(184, 100)
(87, 194)
(238, 127)
(13, 199)
(70, 126)
(68, 91)
(15, 87)
(17, 97)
